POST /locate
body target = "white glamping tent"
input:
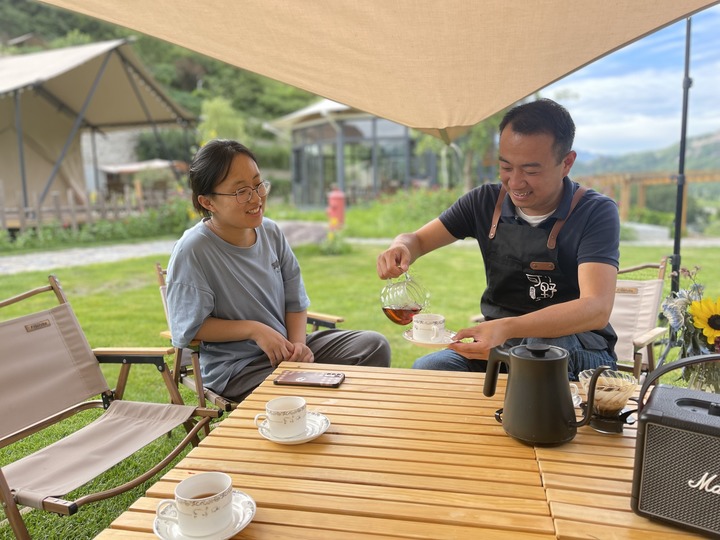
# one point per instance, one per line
(47, 98)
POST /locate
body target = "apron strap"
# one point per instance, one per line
(496, 213)
(552, 237)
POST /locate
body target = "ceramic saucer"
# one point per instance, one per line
(446, 340)
(317, 424)
(243, 513)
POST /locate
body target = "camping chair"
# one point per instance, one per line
(638, 295)
(49, 374)
(634, 315)
(186, 363)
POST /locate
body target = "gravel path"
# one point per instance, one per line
(297, 233)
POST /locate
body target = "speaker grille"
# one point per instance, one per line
(672, 459)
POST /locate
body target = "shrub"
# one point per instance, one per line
(171, 219)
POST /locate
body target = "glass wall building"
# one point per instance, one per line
(333, 144)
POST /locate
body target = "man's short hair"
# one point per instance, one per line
(543, 116)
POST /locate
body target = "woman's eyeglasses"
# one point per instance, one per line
(243, 195)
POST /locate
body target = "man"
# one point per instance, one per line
(550, 247)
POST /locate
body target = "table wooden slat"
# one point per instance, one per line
(616, 518)
(411, 454)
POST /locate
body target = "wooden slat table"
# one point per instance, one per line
(411, 454)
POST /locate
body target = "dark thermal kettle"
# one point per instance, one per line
(538, 406)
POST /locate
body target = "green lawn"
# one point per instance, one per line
(119, 304)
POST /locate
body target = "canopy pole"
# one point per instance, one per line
(21, 147)
(96, 174)
(129, 71)
(687, 83)
(76, 125)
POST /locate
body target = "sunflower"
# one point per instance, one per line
(706, 316)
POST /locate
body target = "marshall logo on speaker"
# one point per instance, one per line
(704, 484)
(676, 478)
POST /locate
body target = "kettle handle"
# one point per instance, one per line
(587, 413)
(662, 370)
(493, 368)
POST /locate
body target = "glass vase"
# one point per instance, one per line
(705, 377)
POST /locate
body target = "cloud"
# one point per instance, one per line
(631, 100)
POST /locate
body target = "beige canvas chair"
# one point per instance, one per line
(50, 373)
(186, 363)
(638, 295)
(635, 314)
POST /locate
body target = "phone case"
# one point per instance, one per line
(310, 378)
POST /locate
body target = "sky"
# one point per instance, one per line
(631, 100)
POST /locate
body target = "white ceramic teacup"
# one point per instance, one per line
(202, 503)
(428, 327)
(286, 417)
(575, 393)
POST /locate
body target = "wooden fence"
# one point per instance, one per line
(54, 211)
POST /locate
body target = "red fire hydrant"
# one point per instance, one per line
(336, 209)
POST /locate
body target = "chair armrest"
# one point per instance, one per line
(167, 335)
(323, 319)
(116, 354)
(645, 339)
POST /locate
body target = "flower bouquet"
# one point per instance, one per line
(696, 322)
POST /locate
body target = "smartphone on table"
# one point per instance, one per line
(310, 378)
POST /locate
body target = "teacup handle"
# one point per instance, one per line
(259, 418)
(575, 393)
(165, 503)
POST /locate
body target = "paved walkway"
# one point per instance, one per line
(297, 233)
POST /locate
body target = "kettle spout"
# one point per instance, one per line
(493, 368)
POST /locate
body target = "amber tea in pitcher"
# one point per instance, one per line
(403, 299)
(403, 314)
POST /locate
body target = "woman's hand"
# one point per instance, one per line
(274, 345)
(301, 353)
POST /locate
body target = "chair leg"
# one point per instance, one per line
(195, 358)
(173, 390)
(122, 380)
(650, 357)
(12, 512)
(177, 367)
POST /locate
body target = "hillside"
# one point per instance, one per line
(702, 153)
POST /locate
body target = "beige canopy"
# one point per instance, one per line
(47, 97)
(436, 66)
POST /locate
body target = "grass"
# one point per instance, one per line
(119, 304)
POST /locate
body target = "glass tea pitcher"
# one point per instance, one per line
(403, 298)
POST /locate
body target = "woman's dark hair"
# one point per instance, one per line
(210, 166)
(543, 116)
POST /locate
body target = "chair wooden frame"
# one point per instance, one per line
(49, 374)
(184, 370)
(645, 335)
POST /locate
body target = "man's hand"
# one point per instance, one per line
(393, 262)
(485, 336)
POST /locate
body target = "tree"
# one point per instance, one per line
(473, 150)
(220, 120)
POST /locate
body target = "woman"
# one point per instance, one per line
(234, 284)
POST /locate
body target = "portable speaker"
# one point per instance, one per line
(677, 455)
